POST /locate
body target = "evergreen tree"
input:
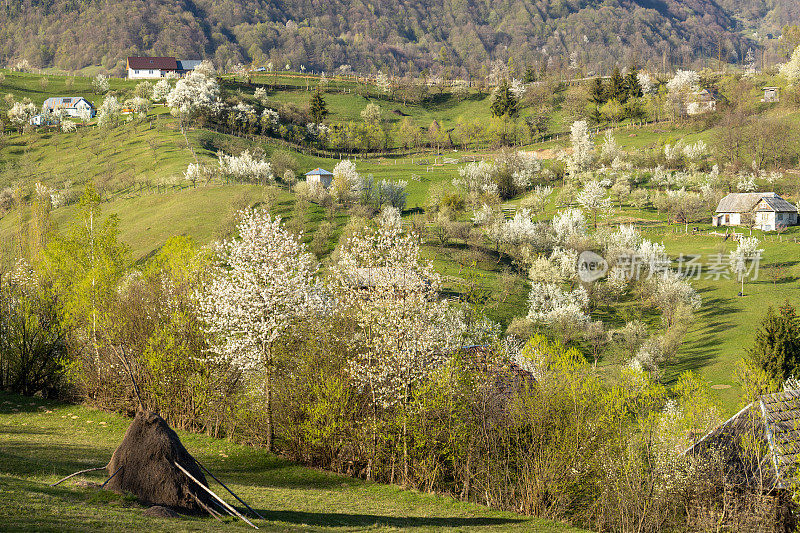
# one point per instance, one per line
(595, 116)
(318, 108)
(530, 75)
(504, 104)
(632, 85)
(597, 92)
(777, 345)
(616, 89)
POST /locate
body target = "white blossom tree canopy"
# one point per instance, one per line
(245, 167)
(192, 93)
(582, 147)
(402, 329)
(21, 113)
(264, 281)
(791, 69)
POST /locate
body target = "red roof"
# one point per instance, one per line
(148, 63)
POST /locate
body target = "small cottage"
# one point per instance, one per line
(763, 210)
(319, 176)
(771, 94)
(77, 107)
(702, 101)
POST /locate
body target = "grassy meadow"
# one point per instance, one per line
(42, 441)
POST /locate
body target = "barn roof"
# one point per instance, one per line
(159, 63)
(188, 64)
(761, 439)
(778, 204)
(744, 202)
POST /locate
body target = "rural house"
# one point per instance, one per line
(763, 210)
(702, 101)
(159, 67)
(771, 94)
(319, 176)
(70, 106)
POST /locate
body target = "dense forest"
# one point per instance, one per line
(451, 37)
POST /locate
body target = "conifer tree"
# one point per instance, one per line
(504, 103)
(597, 92)
(616, 89)
(777, 344)
(632, 85)
(318, 107)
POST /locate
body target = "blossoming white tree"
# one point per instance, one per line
(402, 330)
(747, 252)
(346, 180)
(791, 69)
(562, 310)
(192, 94)
(264, 281)
(109, 111)
(594, 197)
(477, 177)
(161, 90)
(518, 88)
(245, 167)
(582, 147)
(569, 224)
(21, 113)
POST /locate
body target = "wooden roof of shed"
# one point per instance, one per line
(771, 424)
(781, 412)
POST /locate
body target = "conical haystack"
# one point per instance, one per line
(147, 455)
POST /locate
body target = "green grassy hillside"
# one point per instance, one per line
(41, 441)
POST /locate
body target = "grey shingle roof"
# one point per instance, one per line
(780, 205)
(770, 424)
(744, 202)
(781, 412)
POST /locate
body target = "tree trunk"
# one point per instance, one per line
(268, 395)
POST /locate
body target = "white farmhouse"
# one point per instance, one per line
(319, 176)
(151, 67)
(159, 67)
(71, 106)
(764, 210)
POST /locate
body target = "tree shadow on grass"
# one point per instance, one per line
(368, 520)
(704, 349)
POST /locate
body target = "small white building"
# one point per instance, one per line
(700, 102)
(771, 94)
(159, 67)
(71, 106)
(765, 210)
(319, 176)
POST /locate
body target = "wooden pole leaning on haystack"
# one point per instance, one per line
(214, 495)
(77, 473)
(229, 490)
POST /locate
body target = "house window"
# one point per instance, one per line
(136, 72)
(727, 219)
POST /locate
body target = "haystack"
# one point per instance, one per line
(145, 466)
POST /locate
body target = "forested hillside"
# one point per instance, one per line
(457, 37)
